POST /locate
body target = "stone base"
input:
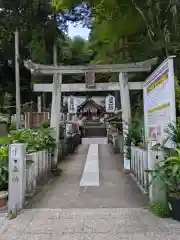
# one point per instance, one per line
(127, 171)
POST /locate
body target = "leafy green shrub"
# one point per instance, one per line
(134, 136)
(3, 168)
(168, 172)
(173, 132)
(35, 140)
(45, 124)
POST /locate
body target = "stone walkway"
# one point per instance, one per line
(116, 190)
(115, 209)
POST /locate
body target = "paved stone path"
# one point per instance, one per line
(90, 175)
(116, 188)
(102, 140)
(113, 210)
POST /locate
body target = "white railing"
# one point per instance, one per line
(38, 167)
(139, 165)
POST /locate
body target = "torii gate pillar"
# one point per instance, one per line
(126, 112)
(56, 112)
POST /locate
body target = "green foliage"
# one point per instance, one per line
(3, 168)
(75, 51)
(130, 30)
(134, 136)
(35, 140)
(168, 172)
(38, 47)
(173, 132)
(162, 23)
(161, 210)
(45, 124)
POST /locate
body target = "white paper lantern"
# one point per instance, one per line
(110, 104)
(72, 105)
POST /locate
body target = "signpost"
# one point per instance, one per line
(159, 111)
(17, 177)
(159, 102)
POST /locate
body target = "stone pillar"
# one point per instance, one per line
(126, 111)
(54, 89)
(68, 117)
(58, 105)
(53, 105)
(39, 104)
(57, 117)
(17, 178)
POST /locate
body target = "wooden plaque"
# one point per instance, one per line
(90, 79)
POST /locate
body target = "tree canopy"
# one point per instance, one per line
(124, 30)
(40, 27)
(121, 31)
(130, 30)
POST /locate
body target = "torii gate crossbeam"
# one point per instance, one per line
(144, 66)
(81, 87)
(122, 69)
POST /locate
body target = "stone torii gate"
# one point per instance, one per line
(57, 87)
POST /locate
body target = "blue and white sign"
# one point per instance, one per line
(110, 104)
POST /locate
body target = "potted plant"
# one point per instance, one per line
(3, 198)
(173, 169)
(168, 172)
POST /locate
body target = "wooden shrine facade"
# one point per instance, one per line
(90, 109)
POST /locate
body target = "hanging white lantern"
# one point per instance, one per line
(110, 104)
(72, 106)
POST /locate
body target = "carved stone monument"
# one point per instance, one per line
(17, 177)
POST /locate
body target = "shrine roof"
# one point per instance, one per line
(89, 100)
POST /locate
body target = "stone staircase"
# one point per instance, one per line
(94, 129)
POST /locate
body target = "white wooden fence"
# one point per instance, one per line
(139, 165)
(142, 160)
(38, 167)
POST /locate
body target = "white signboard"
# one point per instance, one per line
(72, 105)
(159, 101)
(110, 104)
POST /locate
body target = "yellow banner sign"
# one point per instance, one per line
(158, 82)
